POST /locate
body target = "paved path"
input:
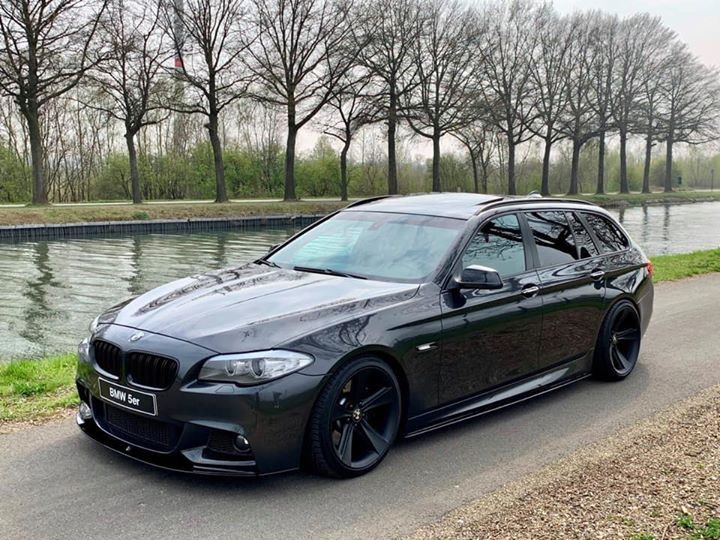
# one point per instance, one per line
(56, 483)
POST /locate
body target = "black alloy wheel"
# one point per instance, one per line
(356, 419)
(619, 342)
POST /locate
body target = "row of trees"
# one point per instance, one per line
(493, 76)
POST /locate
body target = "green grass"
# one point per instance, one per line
(710, 531)
(33, 389)
(615, 199)
(672, 267)
(128, 212)
(165, 210)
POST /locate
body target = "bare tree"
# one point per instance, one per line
(210, 37)
(479, 138)
(654, 71)
(639, 40)
(550, 77)
(43, 55)
(690, 104)
(603, 72)
(125, 85)
(351, 110)
(386, 32)
(580, 122)
(298, 58)
(506, 80)
(444, 55)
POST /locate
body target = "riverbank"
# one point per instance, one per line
(81, 213)
(655, 480)
(178, 210)
(615, 200)
(32, 390)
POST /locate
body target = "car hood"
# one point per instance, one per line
(253, 307)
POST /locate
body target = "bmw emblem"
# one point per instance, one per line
(136, 337)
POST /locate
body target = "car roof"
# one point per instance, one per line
(451, 205)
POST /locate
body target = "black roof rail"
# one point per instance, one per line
(530, 200)
(368, 200)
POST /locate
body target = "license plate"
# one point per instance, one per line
(129, 398)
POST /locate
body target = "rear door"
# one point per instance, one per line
(572, 285)
(491, 337)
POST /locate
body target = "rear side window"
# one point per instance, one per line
(553, 237)
(582, 237)
(607, 233)
(498, 245)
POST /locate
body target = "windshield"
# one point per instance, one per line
(375, 245)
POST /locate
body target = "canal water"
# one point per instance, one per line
(50, 290)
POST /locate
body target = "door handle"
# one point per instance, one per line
(597, 275)
(528, 291)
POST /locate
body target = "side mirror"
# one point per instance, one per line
(479, 277)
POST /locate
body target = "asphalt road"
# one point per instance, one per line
(56, 483)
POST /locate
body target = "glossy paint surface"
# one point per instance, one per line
(456, 352)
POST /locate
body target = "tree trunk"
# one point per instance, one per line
(600, 189)
(290, 163)
(392, 159)
(134, 171)
(574, 168)
(545, 182)
(220, 188)
(436, 162)
(344, 171)
(511, 166)
(646, 168)
(473, 162)
(624, 185)
(668, 163)
(39, 193)
(484, 165)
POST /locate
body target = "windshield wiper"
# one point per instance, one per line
(328, 271)
(266, 262)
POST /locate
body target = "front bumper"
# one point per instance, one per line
(197, 422)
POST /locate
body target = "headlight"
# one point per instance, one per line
(253, 368)
(84, 350)
(94, 325)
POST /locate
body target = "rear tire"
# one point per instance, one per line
(355, 419)
(618, 345)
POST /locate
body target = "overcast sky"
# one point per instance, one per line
(697, 22)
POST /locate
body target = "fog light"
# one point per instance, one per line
(242, 444)
(85, 411)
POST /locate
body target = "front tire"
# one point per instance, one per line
(355, 419)
(618, 346)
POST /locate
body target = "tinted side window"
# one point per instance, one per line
(610, 237)
(553, 237)
(585, 243)
(499, 245)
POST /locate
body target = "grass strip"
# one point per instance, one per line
(673, 267)
(83, 213)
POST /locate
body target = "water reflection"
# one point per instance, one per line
(52, 289)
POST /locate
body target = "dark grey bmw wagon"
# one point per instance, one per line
(391, 317)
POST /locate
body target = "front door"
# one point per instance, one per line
(491, 337)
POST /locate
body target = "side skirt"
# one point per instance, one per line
(493, 400)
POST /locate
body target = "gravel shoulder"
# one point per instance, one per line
(657, 479)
